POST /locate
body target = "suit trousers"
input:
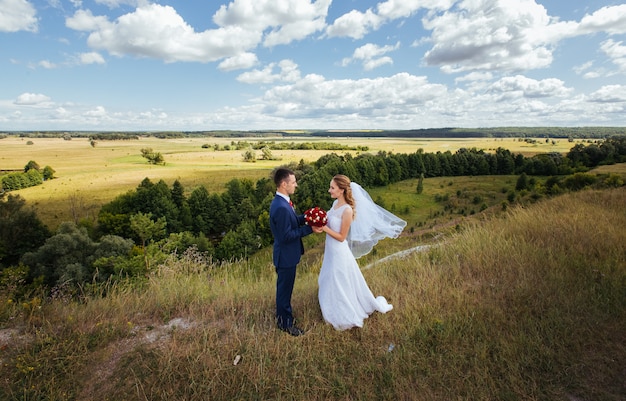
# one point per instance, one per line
(284, 289)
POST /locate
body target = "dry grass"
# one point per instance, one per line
(526, 306)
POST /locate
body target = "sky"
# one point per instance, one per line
(140, 65)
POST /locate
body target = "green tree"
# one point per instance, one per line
(420, 184)
(31, 165)
(239, 243)
(522, 182)
(249, 156)
(21, 230)
(48, 173)
(184, 220)
(152, 156)
(66, 256)
(147, 230)
(266, 153)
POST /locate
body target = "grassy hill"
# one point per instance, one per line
(529, 304)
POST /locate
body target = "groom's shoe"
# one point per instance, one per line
(293, 330)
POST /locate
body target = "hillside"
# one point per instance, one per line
(526, 305)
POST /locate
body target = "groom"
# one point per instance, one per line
(288, 230)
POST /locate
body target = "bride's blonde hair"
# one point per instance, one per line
(343, 182)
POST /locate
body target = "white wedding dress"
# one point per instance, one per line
(344, 297)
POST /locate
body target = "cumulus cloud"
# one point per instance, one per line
(117, 3)
(32, 99)
(611, 19)
(490, 35)
(98, 112)
(354, 24)
(393, 9)
(609, 94)
(371, 55)
(287, 20)
(475, 76)
(18, 15)
(313, 95)
(160, 32)
(288, 72)
(521, 86)
(239, 62)
(91, 58)
(505, 36)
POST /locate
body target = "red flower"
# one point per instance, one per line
(315, 217)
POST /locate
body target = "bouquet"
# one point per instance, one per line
(315, 217)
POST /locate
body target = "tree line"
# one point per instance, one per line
(31, 176)
(138, 229)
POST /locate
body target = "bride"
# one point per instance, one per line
(355, 224)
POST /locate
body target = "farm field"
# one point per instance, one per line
(90, 176)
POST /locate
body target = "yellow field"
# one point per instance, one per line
(92, 176)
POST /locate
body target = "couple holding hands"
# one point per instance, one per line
(354, 224)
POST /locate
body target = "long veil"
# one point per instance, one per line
(371, 223)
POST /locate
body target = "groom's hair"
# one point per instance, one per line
(282, 174)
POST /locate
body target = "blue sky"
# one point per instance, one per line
(302, 64)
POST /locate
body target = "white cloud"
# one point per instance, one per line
(288, 72)
(354, 24)
(159, 32)
(370, 55)
(394, 9)
(84, 20)
(61, 111)
(239, 62)
(91, 58)
(314, 96)
(32, 99)
(490, 35)
(289, 20)
(98, 112)
(17, 15)
(371, 64)
(370, 51)
(609, 94)
(118, 3)
(610, 19)
(521, 86)
(47, 64)
(475, 76)
(507, 36)
(580, 69)
(616, 52)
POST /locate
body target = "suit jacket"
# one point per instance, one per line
(288, 230)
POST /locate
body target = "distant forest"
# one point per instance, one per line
(497, 132)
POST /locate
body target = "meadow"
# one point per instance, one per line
(89, 176)
(523, 305)
(526, 302)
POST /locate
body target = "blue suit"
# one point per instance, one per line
(288, 230)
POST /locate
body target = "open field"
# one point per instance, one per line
(526, 305)
(92, 176)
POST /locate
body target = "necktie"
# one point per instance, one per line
(291, 204)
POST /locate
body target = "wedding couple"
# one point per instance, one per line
(355, 224)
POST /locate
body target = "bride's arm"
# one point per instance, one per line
(346, 220)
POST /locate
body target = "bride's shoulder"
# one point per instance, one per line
(346, 208)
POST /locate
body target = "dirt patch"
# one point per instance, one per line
(108, 359)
